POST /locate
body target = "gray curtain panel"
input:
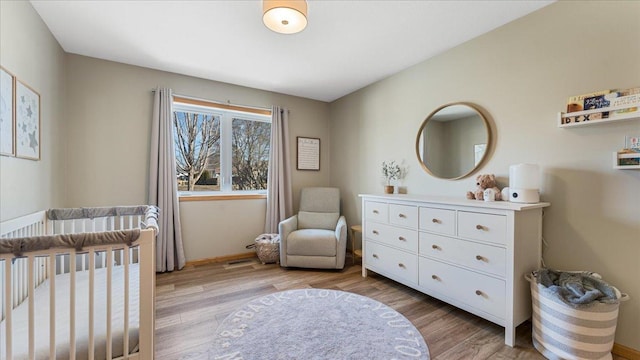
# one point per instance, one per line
(163, 187)
(279, 196)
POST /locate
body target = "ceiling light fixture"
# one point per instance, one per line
(285, 16)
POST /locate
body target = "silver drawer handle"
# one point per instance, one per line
(435, 247)
(375, 212)
(375, 256)
(401, 238)
(375, 232)
(402, 215)
(435, 277)
(401, 265)
(480, 227)
(481, 258)
(478, 292)
(436, 221)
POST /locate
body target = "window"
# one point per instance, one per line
(219, 148)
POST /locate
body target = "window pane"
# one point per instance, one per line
(197, 150)
(250, 154)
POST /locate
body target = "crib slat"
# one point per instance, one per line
(109, 293)
(7, 307)
(17, 274)
(32, 286)
(146, 263)
(92, 284)
(72, 305)
(52, 307)
(126, 300)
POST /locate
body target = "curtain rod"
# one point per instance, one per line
(228, 102)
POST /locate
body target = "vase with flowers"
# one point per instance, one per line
(390, 171)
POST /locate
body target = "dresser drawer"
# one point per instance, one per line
(395, 262)
(403, 215)
(487, 258)
(479, 291)
(485, 227)
(438, 220)
(405, 239)
(376, 211)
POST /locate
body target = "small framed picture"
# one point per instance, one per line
(308, 157)
(27, 122)
(7, 113)
(632, 142)
(478, 152)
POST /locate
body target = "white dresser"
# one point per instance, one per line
(469, 253)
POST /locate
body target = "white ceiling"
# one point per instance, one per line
(346, 46)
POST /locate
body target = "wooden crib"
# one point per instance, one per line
(78, 284)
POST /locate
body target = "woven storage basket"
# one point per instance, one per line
(268, 248)
(561, 331)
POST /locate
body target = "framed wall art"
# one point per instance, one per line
(27, 122)
(7, 113)
(478, 152)
(308, 154)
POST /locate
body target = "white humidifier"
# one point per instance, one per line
(524, 183)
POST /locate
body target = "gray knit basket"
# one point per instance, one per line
(268, 248)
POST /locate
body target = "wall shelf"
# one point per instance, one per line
(632, 115)
(617, 157)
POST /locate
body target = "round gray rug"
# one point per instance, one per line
(316, 324)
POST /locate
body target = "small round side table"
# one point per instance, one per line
(355, 252)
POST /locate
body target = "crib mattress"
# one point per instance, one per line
(20, 317)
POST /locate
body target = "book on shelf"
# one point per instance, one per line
(604, 98)
(632, 101)
(576, 103)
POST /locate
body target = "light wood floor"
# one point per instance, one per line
(192, 302)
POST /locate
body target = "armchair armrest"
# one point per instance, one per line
(286, 227)
(341, 229)
(341, 235)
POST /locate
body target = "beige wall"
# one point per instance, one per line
(109, 115)
(27, 186)
(521, 74)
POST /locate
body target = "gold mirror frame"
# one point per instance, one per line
(485, 156)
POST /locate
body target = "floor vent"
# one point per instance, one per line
(241, 261)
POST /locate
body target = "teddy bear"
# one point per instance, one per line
(483, 182)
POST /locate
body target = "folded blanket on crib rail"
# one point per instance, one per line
(18, 246)
(96, 212)
(576, 288)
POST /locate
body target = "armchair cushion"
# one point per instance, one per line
(312, 242)
(317, 220)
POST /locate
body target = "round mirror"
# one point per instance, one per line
(453, 141)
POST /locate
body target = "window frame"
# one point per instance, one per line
(226, 114)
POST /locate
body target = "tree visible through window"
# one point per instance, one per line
(250, 159)
(196, 138)
(220, 150)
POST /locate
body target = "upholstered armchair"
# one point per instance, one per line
(317, 236)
